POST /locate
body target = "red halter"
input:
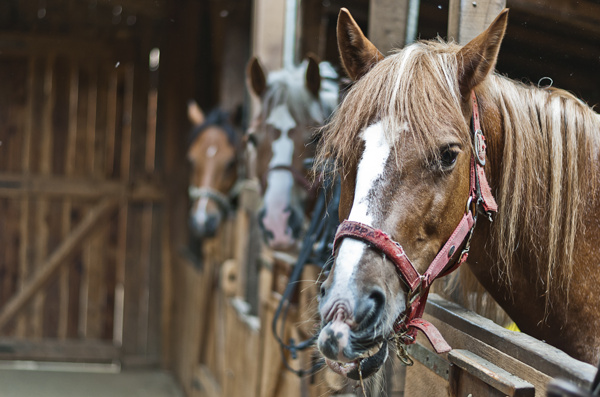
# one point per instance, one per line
(410, 321)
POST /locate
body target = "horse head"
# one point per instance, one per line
(281, 139)
(402, 143)
(213, 156)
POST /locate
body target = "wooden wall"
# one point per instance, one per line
(80, 201)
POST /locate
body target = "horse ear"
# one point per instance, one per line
(478, 57)
(255, 76)
(195, 114)
(313, 75)
(357, 52)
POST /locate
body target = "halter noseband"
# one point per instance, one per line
(223, 201)
(410, 320)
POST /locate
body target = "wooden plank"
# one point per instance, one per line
(19, 186)
(270, 358)
(92, 298)
(527, 349)
(506, 383)
(14, 44)
(420, 381)
(70, 167)
(48, 268)
(41, 224)
(111, 122)
(187, 322)
(167, 292)
(388, 20)
(236, 47)
(243, 341)
(154, 338)
(52, 350)
(125, 76)
(467, 18)
(25, 230)
(579, 15)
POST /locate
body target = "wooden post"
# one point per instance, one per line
(387, 24)
(268, 32)
(466, 19)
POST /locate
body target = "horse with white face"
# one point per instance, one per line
(213, 154)
(281, 139)
(425, 141)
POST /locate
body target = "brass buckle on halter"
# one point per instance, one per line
(402, 354)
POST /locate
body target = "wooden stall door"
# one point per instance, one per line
(80, 212)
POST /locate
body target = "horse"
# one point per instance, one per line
(432, 145)
(213, 153)
(293, 102)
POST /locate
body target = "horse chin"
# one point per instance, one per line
(363, 367)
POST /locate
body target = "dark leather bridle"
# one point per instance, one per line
(480, 197)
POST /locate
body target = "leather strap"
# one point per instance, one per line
(489, 203)
(380, 240)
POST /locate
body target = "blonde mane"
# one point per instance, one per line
(549, 164)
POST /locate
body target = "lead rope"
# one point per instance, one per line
(321, 229)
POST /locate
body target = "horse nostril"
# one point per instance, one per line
(323, 291)
(212, 224)
(371, 307)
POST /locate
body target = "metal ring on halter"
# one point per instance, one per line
(222, 200)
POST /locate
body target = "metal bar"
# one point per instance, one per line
(412, 23)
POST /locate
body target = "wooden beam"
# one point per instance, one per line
(47, 269)
(268, 32)
(387, 24)
(582, 15)
(528, 350)
(53, 350)
(468, 18)
(19, 185)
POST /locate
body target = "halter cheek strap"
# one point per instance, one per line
(411, 320)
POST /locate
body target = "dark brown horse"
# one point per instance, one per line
(294, 102)
(213, 153)
(415, 170)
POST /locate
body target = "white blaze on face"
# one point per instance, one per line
(200, 213)
(280, 182)
(370, 168)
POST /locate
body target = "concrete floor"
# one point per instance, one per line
(65, 383)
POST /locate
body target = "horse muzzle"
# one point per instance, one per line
(343, 347)
(207, 228)
(365, 365)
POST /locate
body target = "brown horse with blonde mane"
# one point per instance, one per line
(427, 141)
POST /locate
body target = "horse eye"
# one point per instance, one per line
(448, 157)
(230, 166)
